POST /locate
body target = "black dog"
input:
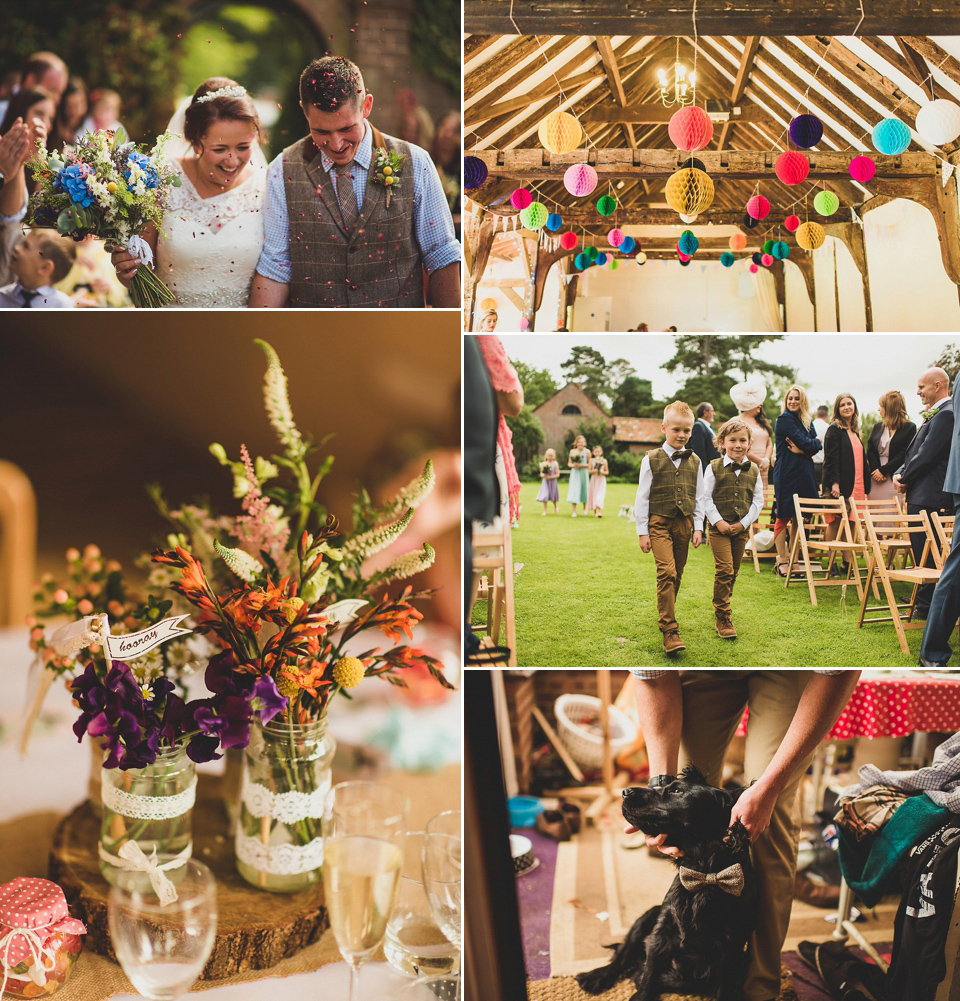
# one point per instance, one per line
(695, 941)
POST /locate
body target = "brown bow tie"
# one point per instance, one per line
(730, 880)
(682, 453)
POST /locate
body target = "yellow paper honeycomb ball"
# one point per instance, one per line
(810, 235)
(559, 132)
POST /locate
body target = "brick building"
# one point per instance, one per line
(563, 412)
(642, 433)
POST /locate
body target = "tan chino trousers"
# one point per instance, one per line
(727, 556)
(670, 542)
(713, 703)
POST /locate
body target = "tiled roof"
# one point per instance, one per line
(641, 429)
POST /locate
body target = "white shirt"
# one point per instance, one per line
(819, 429)
(710, 483)
(48, 298)
(641, 505)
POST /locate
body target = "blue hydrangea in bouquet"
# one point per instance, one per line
(106, 186)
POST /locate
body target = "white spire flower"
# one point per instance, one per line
(242, 564)
(377, 538)
(277, 402)
(409, 564)
(415, 491)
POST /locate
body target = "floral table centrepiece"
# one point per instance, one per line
(106, 186)
(286, 607)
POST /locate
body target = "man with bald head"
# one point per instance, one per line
(42, 69)
(922, 474)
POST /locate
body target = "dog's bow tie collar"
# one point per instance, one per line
(730, 880)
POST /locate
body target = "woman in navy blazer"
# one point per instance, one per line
(796, 444)
(888, 443)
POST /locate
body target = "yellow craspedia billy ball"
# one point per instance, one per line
(810, 235)
(348, 672)
(388, 180)
(111, 186)
(388, 170)
(689, 191)
(286, 686)
(559, 132)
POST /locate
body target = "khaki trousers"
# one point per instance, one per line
(713, 703)
(727, 554)
(670, 541)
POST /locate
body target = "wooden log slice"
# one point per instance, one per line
(255, 928)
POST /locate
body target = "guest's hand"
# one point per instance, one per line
(15, 149)
(697, 539)
(898, 484)
(736, 528)
(835, 490)
(644, 542)
(723, 527)
(878, 477)
(657, 841)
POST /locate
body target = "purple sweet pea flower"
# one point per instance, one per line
(271, 702)
(228, 719)
(203, 748)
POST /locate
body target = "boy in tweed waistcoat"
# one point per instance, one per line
(733, 498)
(669, 503)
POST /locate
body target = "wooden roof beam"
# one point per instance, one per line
(916, 68)
(940, 58)
(649, 114)
(750, 45)
(609, 61)
(714, 17)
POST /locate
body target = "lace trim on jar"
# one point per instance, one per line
(279, 860)
(286, 807)
(148, 807)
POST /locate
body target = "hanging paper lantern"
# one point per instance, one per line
(591, 252)
(614, 264)
(688, 243)
(737, 242)
(939, 122)
(694, 162)
(810, 235)
(684, 258)
(758, 207)
(600, 259)
(521, 198)
(685, 264)
(641, 259)
(890, 136)
(766, 260)
(474, 172)
(780, 250)
(534, 216)
(749, 221)
(689, 191)
(756, 257)
(554, 221)
(580, 179)
(754, 268)
(862, 169)
(687, 218)
(606, 205)
(792, 167)
(727, 259)
(628, 246)
(690, 128)
(806, 131)
(568, 240)
(488, 304)
(767, 247)
(559, 132)
(581, 262)
(826, 202)
(791, 223)
(615, 237)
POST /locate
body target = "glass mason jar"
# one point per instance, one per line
(152, 806)
(286, 776)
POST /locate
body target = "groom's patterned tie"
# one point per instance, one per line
(347, 197)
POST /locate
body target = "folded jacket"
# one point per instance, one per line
(866, 812)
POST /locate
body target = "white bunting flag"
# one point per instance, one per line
(946, 171)
(129, 646)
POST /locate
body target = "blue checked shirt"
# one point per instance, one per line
(432, 222)
(650, 674)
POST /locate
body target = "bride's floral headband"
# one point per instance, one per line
(237, 91)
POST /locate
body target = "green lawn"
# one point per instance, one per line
(586, 597)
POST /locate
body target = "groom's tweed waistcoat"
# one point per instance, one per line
(673, 492)
(733, 494)
(378, 263)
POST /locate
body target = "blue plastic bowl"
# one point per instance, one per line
(523, 810)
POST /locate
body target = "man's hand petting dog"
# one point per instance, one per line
(695, 941)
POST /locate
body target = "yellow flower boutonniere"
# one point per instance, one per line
(387, 166)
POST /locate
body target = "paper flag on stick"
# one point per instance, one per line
(132, 645)
(946, 171)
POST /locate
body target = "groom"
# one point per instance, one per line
(337, 235)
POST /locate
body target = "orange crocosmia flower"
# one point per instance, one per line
(309, 680)
(402, 621)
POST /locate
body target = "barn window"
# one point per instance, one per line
(570, 408)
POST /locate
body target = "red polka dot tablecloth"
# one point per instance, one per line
(896, 707)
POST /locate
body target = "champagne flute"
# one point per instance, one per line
(442, 870)
(361, 867)
(163, 947)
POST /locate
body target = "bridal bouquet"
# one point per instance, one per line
(107, 186)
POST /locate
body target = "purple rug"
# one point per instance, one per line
(535, 895)
(807, 982)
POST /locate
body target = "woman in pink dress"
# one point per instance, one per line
(845, 469)
(505, 381)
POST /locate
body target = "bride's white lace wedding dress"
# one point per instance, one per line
(208, 248)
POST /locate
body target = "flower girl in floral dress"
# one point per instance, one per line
(549, 473)
(597, 489)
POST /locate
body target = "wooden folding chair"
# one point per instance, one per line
(813, 510)
(493, 573)
(883, 511)
(943, 530)
(905, 525)
(762, 521)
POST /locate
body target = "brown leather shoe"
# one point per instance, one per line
(553, 824)
(725, 628)
(672, 644)
(571, 813)
(816, 894)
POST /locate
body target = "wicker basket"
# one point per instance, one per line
(587, 748)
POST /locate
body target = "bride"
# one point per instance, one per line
(211, 234)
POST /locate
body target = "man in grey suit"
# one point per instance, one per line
(701, 440)
(945, 606)
(922, 474)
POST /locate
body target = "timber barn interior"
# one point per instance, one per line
(838, 245)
